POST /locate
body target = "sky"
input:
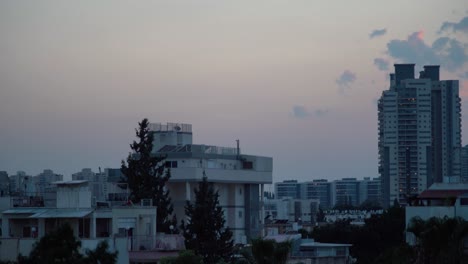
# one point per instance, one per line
(294, 80)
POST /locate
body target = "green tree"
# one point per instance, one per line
(266, 251)
(439, 240)
(101, 255)
(61, 246)
(320, 215)
(204, 229)
(185, 257)
(146, 176)
(381, 235)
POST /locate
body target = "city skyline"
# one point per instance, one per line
(289, 80)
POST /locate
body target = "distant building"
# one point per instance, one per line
(370, 191)
(44, 180)
(239, 178)
(22, 184)
(293, 210)
(419, 132)
(4, 184)
(464, 164)
(347, 191)
(319, 189)
(288, 188)
(85, 174)
(310, 251)
(105, 185)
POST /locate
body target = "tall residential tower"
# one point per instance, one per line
(419, 133)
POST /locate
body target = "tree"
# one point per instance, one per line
(204, 229)
(266, 251)
(100, 255)
(185, 257)
(381, 235)
(61, 246)
(146, 176)
(439, 240)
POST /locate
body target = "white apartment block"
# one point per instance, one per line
(239, 178)
(419, 132)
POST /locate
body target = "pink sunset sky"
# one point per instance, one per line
(294, 80)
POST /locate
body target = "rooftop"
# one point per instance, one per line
(200, 149)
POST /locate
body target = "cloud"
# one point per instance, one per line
(321, 112)
(450, 53)
(460, 26)
(382, 64)
(301, 112)
(345, 79)
(377, 33)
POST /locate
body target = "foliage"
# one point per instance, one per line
(61, 246)
(320, 215)
(439, 240)
(380, 234)
(100, 255)
(266, 251)
(146, 176)
(185, 257)
(304, 233)
(204, 229)
(370, 205)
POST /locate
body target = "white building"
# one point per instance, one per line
(440, 200)
(239, 178)
(128, 229)
(419, 132)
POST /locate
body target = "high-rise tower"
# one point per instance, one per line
(419, 133)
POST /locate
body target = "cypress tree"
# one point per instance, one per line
(146, 176)
(204, 230)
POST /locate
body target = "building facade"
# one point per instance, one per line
(343, 192)
(239, 178)
(464, 164)
(288, 188)
(419, 132)
(321, 190)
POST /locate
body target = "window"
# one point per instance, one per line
(171, 164)
(240, 214)
(247, 165)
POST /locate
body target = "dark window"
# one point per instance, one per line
(464, 201)
(171, 164)
(248, 165)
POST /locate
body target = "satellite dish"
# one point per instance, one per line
(177, 128)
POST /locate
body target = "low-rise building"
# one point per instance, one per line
(308, 251)
(439, 200)
(126, 228)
